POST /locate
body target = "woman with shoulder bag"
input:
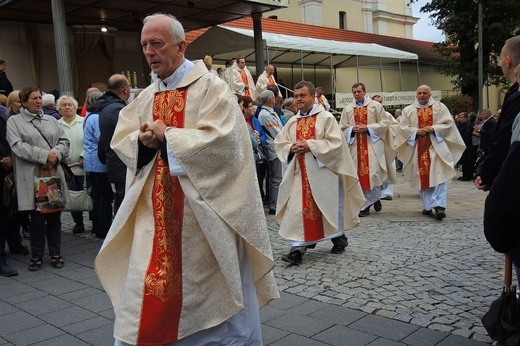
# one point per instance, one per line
(38, 145)
(72, 124)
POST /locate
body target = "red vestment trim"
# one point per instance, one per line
(243, 74)
(162, 296)
(312, 218)
(270, 80)
(363, 167)
(425, 118)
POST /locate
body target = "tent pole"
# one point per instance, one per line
(400, 77)
(259, 49)
(418, 74)
(301, 63)
(381, 73)
(357, 68)
(332, 84)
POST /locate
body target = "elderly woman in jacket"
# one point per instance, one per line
(72, 124)
(37, 142)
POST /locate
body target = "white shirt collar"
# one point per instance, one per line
(171, 82)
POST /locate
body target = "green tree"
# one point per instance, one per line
(459, 21)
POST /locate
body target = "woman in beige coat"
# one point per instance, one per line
(37, 141)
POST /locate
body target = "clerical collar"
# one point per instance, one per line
(360, 104)
(311, 111)
(171, 82)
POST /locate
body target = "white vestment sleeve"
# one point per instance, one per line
(175, 167)
(411, 140)
(348, 136)
(373, 135)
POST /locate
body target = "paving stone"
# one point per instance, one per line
(424, 337)
(387, 328)
(272, 334)
(300, 324)
(43, 305)
(18, 321)
(34, 335)
(293, 339)
(102, 336)
(64, 340)
(71, 315)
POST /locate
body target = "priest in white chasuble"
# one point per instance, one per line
(429, 144)
(319, 197)
(366, 127)
(188, 259)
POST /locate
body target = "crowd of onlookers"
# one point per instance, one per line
(38, 134)
(86, 132)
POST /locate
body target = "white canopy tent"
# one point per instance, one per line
(224, 43)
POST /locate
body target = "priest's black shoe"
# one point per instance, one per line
(378, 206)
(293, 257)
(440, 213)
(426, 212)
(364, 212)
(337, 249)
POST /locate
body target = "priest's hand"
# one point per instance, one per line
(300, 147)
(360, 128)
(148, 137)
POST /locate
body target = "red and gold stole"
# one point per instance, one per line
(243, 74)
(312, 217)
(162, 296)
(363, 168)
(270, 80)
(320, 101)
(425, 118)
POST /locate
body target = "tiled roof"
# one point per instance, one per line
(423, 49)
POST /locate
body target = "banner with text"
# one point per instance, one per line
(389, 98)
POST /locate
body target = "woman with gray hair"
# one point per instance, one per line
(72, 124)
(97, 176)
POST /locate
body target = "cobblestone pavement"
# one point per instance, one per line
(405, 279)
(406, 266)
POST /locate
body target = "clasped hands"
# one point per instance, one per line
(360, 128)
(424, 131)
(300, 147)
(152, 134)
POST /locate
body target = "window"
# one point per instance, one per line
(342, 19)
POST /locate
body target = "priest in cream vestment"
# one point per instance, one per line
(366, 127)
(187, 260)
(429, 144)
(319, 197)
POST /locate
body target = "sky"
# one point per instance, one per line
(423, 30)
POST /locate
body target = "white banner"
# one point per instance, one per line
(279, 3)
(389, 98)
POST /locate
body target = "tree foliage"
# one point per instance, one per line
(459, 21)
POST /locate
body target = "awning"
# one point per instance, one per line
(223, 43)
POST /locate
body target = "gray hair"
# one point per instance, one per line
(288, 102)
(91, 101)
(266, 95)
(176, 29)
(48, 100)
(65, 97)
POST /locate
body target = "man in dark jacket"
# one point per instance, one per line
(5, 85)
(10, 229)
(109, 105)
(501, 135)
(466, 130)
